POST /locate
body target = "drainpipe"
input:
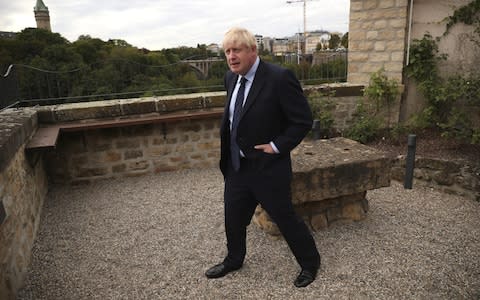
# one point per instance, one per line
(410, 20)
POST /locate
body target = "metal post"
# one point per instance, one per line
(410, 161)
(316, 129)
(3, 214)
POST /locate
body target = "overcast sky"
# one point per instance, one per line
(158, 24)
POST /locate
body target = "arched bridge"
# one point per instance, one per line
(202, 65)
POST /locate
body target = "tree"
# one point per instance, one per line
(334, 41)
(344, 41)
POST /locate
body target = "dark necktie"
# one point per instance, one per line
(234, 149)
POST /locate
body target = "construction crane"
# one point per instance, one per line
(304, 21)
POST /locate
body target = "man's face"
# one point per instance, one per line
(240, 58)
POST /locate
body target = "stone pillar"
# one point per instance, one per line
(377, 38)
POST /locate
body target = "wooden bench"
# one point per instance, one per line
(46, 136)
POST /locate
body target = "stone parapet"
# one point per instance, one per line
(110, 109)
(16, 127)
(330, 181)
(23, 187)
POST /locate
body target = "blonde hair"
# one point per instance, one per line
(239, 36)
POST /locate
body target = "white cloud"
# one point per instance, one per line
(164, 24)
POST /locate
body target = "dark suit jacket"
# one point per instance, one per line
(275, 110)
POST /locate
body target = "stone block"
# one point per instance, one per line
(386, 4)
(379, 46)
(215, 100)
(330, 180)
(132, 154)
(87, 110)
(179, 102)
(319, 222)
(353, 211)
(335, 167)
(138, 106)
(262, 220)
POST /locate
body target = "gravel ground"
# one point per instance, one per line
(153, 237)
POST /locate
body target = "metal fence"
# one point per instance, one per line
(23, 85)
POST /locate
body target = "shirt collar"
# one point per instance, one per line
(251, 73)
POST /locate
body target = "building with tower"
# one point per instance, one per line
(42, 16)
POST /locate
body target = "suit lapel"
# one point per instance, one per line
(255, 89)
(231, 80)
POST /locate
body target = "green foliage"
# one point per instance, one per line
(468, 14)
(365, 126)
(424, 58)
(334, 41)
(322, 109)
(46, 65)
(332, 70)
(448, 98)
(381, 90)
(367, 122)
(344, 41)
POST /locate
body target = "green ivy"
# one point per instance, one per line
(322, 109)
(448, 98)
(468, 14)
(366, 122)
(365, 125)
(382, 91)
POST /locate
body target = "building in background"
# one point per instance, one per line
(42, 17)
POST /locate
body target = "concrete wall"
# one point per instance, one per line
(463, 55)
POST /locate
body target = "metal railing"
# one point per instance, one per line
(23, 85)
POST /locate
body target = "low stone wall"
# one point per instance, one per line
(84, 156)
(23, 186)
(453, 177)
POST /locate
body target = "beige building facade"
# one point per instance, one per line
(381, 34)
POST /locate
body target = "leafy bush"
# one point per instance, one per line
(322, 109)
(365, 126)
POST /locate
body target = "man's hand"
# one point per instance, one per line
(267, 148)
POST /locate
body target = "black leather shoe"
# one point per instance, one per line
(220, 270)
(305, 278)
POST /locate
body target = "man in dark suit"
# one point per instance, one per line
(266, 116)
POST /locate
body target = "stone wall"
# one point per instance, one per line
(453, 177)
(134, 150)
(377, 32)
(23, 186)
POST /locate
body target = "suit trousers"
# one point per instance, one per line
(250, 186)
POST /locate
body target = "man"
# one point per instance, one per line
(266, 116)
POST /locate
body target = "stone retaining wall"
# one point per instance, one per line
(134, 150)
(453, 177)
(23, 186)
